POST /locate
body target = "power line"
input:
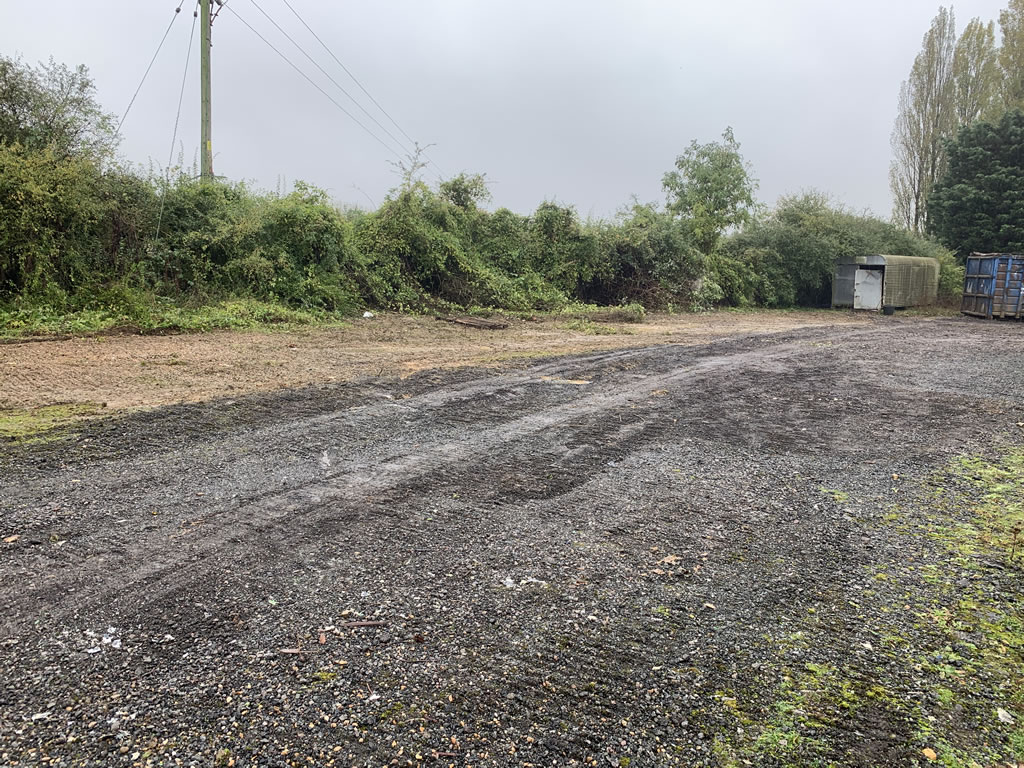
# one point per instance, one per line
(177, 120)
(313, 83)
(356, 81)
(146, 73)
(328, 76)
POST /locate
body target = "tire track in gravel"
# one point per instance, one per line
(146, 568)
(603, 420)
(618, 510)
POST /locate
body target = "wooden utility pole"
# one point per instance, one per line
(206, 146)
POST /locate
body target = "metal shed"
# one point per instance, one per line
(876, 281)
(994, 285)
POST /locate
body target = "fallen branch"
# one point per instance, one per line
(476, 322)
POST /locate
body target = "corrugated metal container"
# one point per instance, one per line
(910, 281)
(994, 285)
(876, 281)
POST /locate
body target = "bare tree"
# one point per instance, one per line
(926, 117)
(410, 168)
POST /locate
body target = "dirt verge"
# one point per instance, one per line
(137, 371)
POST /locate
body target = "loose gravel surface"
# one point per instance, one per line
(679, 555)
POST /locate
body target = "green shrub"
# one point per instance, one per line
(633, 312)
(788, 257)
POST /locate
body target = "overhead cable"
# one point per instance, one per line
(356, 81)
(312, 82)
(146, 73)
(177, 121)
(329, 77)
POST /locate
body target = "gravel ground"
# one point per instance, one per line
(681, 555)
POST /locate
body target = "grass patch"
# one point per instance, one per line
(634, 312)
(160, 316)
(809, 702)
(589, 327)
(969, 655)
(935, 310)
(997, 524)
(21, 425)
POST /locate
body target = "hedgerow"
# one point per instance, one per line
(82, 235)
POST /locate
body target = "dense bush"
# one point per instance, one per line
(222, 239)
(649, 257)
(71, 233)
(788, 257)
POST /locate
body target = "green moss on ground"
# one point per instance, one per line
(942, 679)
(840, 497)
(21, 425)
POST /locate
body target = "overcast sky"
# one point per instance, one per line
(586, 102)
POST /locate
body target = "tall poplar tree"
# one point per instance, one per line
(925, 119)
(976, 76)
(1011, 54)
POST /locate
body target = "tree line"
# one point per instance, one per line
(957, 82)
(81, 232)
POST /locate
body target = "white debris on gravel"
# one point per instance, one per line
(510, 583)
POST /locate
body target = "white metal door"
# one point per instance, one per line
(867, 289)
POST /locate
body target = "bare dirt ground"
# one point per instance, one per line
(131, 371)
(760, 549)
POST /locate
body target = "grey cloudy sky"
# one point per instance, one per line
(583, 101)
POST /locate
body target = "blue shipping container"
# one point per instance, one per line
(994, 285)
